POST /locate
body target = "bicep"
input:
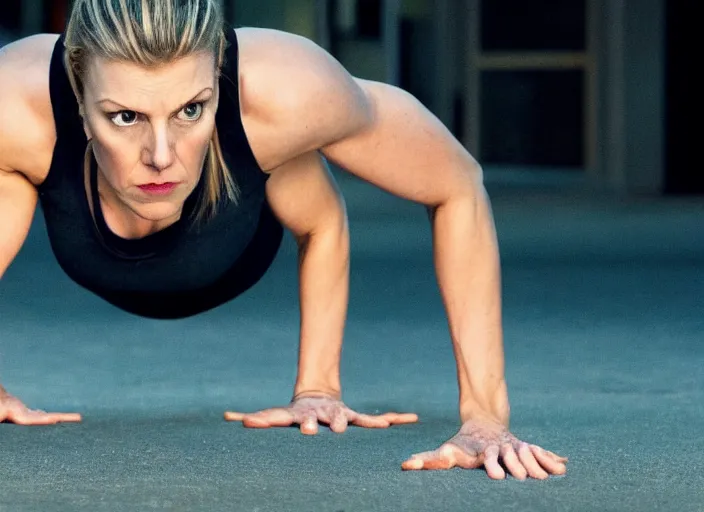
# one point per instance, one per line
(304, 196)
(405, 149)
(294, 96)
(297, 99)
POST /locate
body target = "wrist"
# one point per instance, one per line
(314, 393)
(304, 389)
(495, 407)
(468, 413)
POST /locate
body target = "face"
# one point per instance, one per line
(150, 130)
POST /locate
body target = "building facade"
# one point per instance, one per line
(577, 85)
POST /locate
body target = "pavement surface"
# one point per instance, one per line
(604, 336)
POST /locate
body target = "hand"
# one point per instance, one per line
(307, 411)
(482, 443)
(14, 411)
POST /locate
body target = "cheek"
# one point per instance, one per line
(115, 153)
(194, 146)
(114, 160)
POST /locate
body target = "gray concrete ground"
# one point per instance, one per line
(603, 325)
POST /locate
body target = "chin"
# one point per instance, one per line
(157, 212)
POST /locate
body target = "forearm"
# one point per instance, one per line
(468, 270)
(324, 292)
(18, 200)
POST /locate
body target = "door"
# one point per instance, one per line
(531, 83)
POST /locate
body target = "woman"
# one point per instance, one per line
(167, 154)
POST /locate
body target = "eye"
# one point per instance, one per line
(124, 118)
(191, 112)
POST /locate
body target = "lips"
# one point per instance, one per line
(158, 188)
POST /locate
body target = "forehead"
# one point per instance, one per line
(123, 82)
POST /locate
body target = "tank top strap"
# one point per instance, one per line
(69, 149)
(63, 100)
(229, 116)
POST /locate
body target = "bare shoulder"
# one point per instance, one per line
(27, 131)
(294, 95)
(269, 50)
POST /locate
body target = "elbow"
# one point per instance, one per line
(470, 185)
(474, 174)
(476, 171)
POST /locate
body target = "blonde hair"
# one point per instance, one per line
(151, 33)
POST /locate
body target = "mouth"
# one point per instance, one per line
(158, 188)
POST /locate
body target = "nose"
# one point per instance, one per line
(160, 151)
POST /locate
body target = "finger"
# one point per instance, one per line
(4, 413)
(551, 465)
(22, 417)
(278, 417)
(550, 454)
(338, 423)
(442, 458)
(30, 417)
(309, 425)
(395, 418)
(554, 456)
(491, 463)
(368, 421)
(512, 463)
(64, 417)
(528, 460)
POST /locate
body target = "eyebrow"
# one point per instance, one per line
(122, 107)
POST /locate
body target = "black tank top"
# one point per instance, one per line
(184, 269)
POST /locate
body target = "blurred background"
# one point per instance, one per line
(591, 92)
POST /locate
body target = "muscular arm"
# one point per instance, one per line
(405, 150)
(304, 197)
(27, 137)
(385, 136)
(18, 197)
(18, 200)
(298, 99)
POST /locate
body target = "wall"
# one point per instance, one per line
(297, 16)
(631, 64)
